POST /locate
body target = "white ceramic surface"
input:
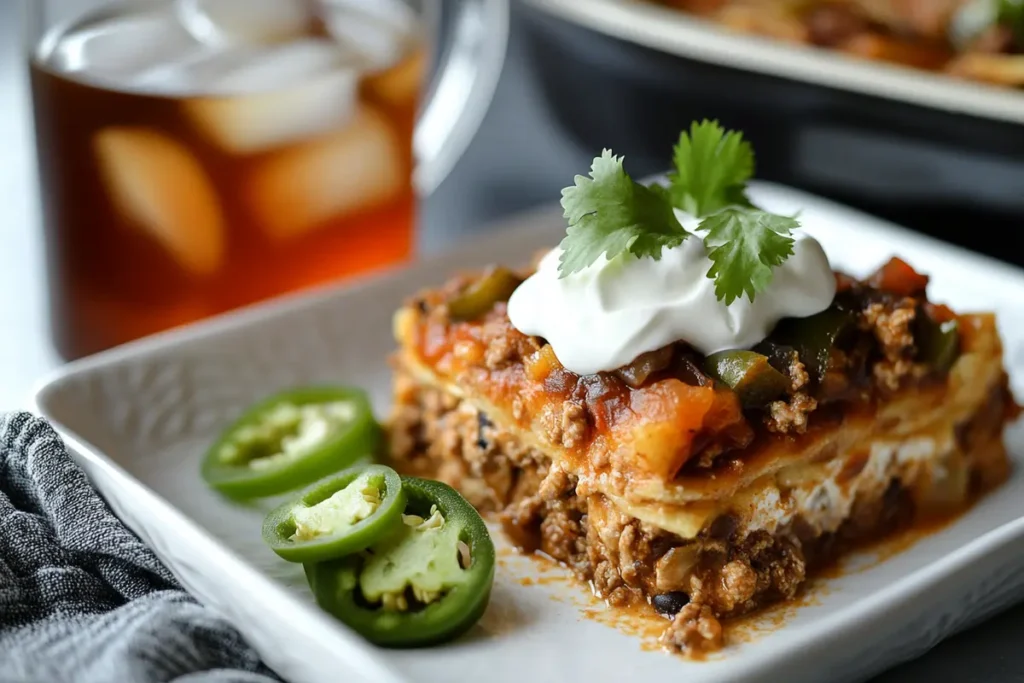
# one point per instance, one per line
(139, 418)
(675, 32)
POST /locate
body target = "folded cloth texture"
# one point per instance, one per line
(82, 599)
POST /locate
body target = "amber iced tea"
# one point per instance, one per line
(187, 172)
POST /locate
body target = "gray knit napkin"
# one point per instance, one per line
(82, 599)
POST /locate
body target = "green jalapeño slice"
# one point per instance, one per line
(428, 582)
(338, 516)
(290, 440)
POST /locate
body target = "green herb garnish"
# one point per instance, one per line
(712, 168)
(609, 213)
(744, 245)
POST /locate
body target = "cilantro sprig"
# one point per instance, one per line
(712, 168)
(744, 245)
(609, 213)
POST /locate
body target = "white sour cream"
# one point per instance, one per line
(606, 315)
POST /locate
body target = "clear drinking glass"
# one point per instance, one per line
(200, 155)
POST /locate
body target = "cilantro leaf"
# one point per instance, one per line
(610, 213)
(744, 245)
(712, 167)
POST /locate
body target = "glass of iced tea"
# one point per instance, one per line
(196, 156)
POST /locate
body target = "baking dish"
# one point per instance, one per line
(940, 155)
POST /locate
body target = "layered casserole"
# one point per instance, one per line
(697, 417)
(656, 483)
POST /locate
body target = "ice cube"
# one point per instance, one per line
(314, 96)
(161, 189)
(395, 13)
(295, 191)
(191, 74)
(277, 67)
(252, 22)
(247, 69)
(379, 30)
(401, 84)
(117, 48)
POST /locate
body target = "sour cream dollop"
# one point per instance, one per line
(606, 315)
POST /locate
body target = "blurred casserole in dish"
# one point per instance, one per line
(974, 39)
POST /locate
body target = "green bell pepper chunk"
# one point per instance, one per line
(497, 284)
(338, 516)
(815, 337)
(781, 357)
(938, 343)
(749, 374)
(973, 18)
(1011, 14)
(290, 440)
(427, 583)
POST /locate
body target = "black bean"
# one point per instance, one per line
(961, 431)
(669, 604)
(481, 423)
(724, 526)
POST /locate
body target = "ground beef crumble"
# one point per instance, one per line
(499, 353)
(432, 433)
(790, 416)
(573, 425)
(798, 376)
(694, 628)
(891, 323)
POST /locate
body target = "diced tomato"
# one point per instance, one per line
(844, 282)
(725, 412)
(542, 363)
(940, 313)
(899, 278)
(671, 415)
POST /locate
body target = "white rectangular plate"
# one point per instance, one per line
(140, 417)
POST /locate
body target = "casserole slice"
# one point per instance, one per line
(707, 487)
